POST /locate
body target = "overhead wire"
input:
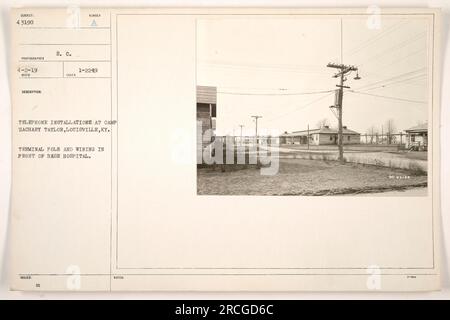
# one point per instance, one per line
(379, 36)
(273, 93)
(395, 47)
(300, 107)
(389, 84)
(387, 97)
(393, 78)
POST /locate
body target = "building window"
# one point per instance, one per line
(348, 138)
(331, 138)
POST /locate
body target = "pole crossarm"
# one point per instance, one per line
(343, 67)
(256, 123)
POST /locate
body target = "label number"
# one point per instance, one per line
(25, 22)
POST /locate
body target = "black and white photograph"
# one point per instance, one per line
(243, 152)
(306, 106)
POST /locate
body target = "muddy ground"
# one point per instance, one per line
(309, 178)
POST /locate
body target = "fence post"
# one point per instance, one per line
(224, 154)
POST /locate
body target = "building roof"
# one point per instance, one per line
(323, 130)
(206, 94)
(419, 128)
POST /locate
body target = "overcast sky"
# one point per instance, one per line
(264, 66)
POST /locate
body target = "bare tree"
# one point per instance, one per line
(322, 123)
(372, 131)
(390, 129)
(390, 126)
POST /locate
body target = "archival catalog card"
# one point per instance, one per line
(225, 149)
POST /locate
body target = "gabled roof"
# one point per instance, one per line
(323, 130)
(419, 128)
(335, 131)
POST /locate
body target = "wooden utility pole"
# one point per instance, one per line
(241, 126)
(256, 126)
(256, 138)
(341, 74)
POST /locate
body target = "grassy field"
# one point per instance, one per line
(347, 147)
(392, 149)
(415, 155)
(308, 177)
